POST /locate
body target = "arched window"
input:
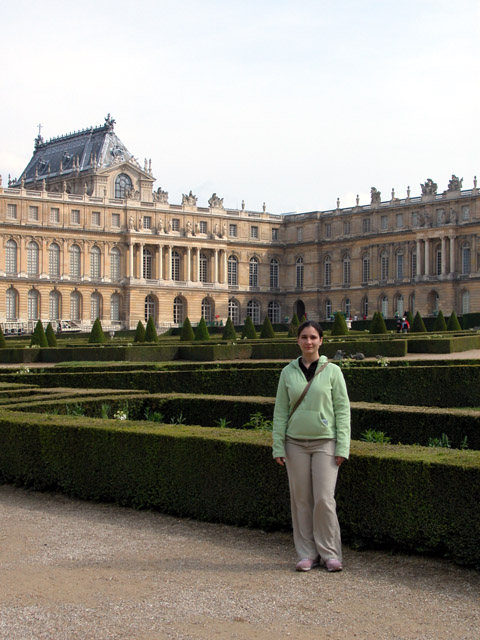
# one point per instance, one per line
(203, 268)
(253, 310)
(207, 309)
(400, 269)
(32, 304)
(299, 273)
(466, 259)
(328, 309)
(348, 307)
(123, 184)
(412, 303)
(95, 263)
(435, 302)
(384, 304)
(465, 302)
(438, 261)
(54, 260)
(327, 272)
(274, 311)
(346, 269)
(274, 273)
(365, 307)
(54, 305)
(175, 265)
(95, 306)
(365, 268)
(147, 264)
(75, 261)
(11, 258)
(149, 308)
(399, 306)
(414, 264)
(232, 271)
(11, 304)
(115, 307)
(75, 305)
(178, 310)
(32, 259)
(115, 263)
(384, 266)
(253, 272)
(234, 311)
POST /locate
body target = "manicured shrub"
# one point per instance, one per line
(339, 325)
(38, 336)
(201, 332)
(409, 317)
(267, 329)
(295, 321)
(50, 335)
(453, 323)
(440, 324)
(418, 326)
(96, 334)
(378, 324)
(229, 332)
(249, 329)
(139, 332)
(3, 344)
(187, 334)
(303, 319)
(150, 331)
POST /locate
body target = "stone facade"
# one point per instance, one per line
(85, 235)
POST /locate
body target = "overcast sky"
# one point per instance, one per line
(289, 102)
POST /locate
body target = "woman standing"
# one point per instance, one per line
(311, 435)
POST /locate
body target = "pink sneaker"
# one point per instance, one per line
(333, 565)
(305, 564)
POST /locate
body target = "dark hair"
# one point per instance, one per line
(310, 323)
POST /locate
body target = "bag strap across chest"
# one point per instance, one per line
(304, 392)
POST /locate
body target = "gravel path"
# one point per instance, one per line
(73, 570)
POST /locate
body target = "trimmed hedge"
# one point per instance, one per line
(389, 496)
(444, 345)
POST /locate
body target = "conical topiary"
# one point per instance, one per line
(440, 324)
(267, 329)
(303, 319)
(3, 343)
(201, 332)
(150, 331)
(339, 325)
(249, 329)
(186, 333)
(409, 317)
(50, 335)
(229, 332)
(378, 324)
(38, 336)
(418, 326)
(453, 324)
(96, 334)
(139, 332)
(295, 321)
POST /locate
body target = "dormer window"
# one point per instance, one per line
(123, 184)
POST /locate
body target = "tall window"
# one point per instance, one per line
(384, 302)
(274, 311)
(299, 273)
(115, 307)
(122, 185)
(232, 230)
(253, 272)
(253, 310)
(327, 272)
(465, 302)
(53, 260)
(33, 214)
(346, 269)
(207, 309)
(75, 261)
(274, 271)
(234, 311)
(175, 265)
(348, 307)
(178, 310)
(32, 259)
(438, 262)
(399, 266)
(414, 264)
(32, 304)
(95, 263)
(465, 259)
(95, 306)
(147, 264)
(365, 268)
(54, 305)
(384, 266)
(12, 211)
(75, 216)
(149, 308)
(75, 304)
(328, 309)
(11, 258)
(254, 232)
(412, 303)
(366, 225)
(365, 307)
(175, 224)
(203, 264)
(55, 215)
(399, 305)
(115, 263)
(232, 271)
(11, 304)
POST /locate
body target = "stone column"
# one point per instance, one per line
(84, 263)
(130, 259)
(189, 263)
(427, 257)
(444, 256)
(160, 262)
(169, 266)
(140, 247)
(419, 258)
(225, 267)
(215, 279)
(452, 254)
(198, 264)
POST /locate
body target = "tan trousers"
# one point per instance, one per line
(312, 476)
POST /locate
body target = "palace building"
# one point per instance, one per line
(86, 235)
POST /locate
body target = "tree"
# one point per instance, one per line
(150, 331)
(249, 329)
(3, 344)
(453, 324)
(440, 324)
(38, 336)
(201, 332)
(378, 324)
(50, 335)
(139, 332)
(96, 334)
(418, 326)
(267, 329)
(229, 332)
(186, 333)
(339, 325)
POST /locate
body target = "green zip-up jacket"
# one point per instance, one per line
(323, 413)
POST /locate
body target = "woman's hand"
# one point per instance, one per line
(339, 460)
(280, 461)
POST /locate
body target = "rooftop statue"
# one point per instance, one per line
(190, 200)
(215, 202)
(160, 196)
(375, 195)
(429, 188)
(455, 184)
